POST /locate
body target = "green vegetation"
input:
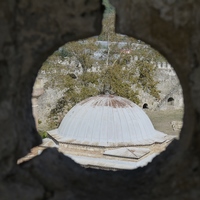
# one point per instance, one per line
(112, 69)
(43, 134)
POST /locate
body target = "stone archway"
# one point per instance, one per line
(170, 101)
(30, 31)
(145, 106)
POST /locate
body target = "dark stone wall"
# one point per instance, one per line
(30, 31)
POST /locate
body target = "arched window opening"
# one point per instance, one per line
(145, 106)
(170, 101)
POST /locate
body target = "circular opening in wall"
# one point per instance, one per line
(113, 74)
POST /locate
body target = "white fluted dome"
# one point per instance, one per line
(108, 120)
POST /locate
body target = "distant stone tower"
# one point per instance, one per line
(37, 92)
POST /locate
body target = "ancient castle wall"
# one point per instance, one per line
(169, 87)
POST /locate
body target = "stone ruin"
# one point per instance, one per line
(33, 30)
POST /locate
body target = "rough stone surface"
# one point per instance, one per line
(176, 125)
(32, 30)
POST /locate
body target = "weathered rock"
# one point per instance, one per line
(176, 125)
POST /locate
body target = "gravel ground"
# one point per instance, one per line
(162, 120)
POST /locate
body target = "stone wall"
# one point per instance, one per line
(30, 31)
